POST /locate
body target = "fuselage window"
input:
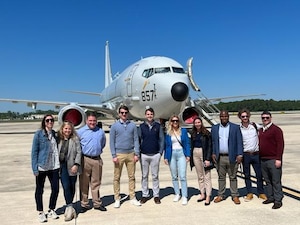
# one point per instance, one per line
(178, 70)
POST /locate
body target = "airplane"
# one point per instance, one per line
(156, 81)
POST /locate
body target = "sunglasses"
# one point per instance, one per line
(124, 113)
(49, 120)
(265, 117)
(244, 116)
(174, 121)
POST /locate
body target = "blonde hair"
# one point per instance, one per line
(73, 132)
(170, 130)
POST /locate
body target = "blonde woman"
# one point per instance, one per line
(177, 154)
(70, 159)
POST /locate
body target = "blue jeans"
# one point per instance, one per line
(68, 183)
(178, 172)
(253, 160)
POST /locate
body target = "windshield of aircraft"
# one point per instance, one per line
(149, 72)
(178, 70)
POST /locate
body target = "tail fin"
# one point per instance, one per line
(108, 75)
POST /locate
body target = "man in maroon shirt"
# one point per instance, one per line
(271, 145)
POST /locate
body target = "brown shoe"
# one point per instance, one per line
(156, 200)
(236, 200)
(249, 197)
(143, 200)
(262, 196)
(218, 199)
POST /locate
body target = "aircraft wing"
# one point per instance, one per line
(33, 103)
(218, 99)
(71, 111)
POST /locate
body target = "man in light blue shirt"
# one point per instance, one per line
(92, 140)
(227, 144)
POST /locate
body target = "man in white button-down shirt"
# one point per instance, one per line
(251, 155)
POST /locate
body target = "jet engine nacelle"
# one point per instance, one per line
(188, 115)
(74, 114)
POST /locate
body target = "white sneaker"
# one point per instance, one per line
(70, 213)
(184, 201)
(52, 214)
(176, 198)
(42, 217)
(117, 204)
(135, 202)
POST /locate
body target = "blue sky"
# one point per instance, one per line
(239, 47)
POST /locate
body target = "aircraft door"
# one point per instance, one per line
(129, 80)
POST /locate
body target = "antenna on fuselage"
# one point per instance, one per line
(108, 75)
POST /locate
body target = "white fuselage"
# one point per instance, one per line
(147, 83)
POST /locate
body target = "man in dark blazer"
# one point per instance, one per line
(227, 144)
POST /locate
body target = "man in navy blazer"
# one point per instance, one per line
(227, 144)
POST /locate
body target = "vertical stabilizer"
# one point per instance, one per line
(108, 75)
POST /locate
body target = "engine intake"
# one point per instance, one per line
(189, 114)
(74, 114)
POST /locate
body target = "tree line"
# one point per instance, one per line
(9, 115)
(254, 105)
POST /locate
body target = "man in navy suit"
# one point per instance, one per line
(227, 143)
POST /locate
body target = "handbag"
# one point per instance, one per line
(210, 166)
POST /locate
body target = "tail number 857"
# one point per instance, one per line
(148, 95)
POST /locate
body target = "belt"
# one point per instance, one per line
(223, 154)
(93, 157)
(252, 153)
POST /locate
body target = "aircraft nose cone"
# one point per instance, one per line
(180, 91)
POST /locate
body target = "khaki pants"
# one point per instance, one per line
(225, 167)
(204, 177)
(128, 159)
(91, 174)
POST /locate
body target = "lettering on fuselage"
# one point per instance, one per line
(148, 95)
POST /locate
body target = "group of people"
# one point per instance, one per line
(249, 144)
(64, 154)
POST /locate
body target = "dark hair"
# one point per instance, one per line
(43, 124)
(224, 111)
(242, 111)
(203, 129)
(123, 107)
(266, 113)
(91, 113)
(150, 110)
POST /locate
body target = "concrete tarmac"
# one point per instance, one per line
(18, 184)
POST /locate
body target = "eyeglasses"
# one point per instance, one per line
(49, 120)
(265, 117)
(124, 113)
(244, 116)
(174, 121)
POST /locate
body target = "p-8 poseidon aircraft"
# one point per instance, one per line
(157, 81)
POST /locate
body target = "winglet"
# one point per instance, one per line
(108, 75)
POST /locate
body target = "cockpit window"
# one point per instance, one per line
(149, 72)
(178, 70)
(162, 70)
